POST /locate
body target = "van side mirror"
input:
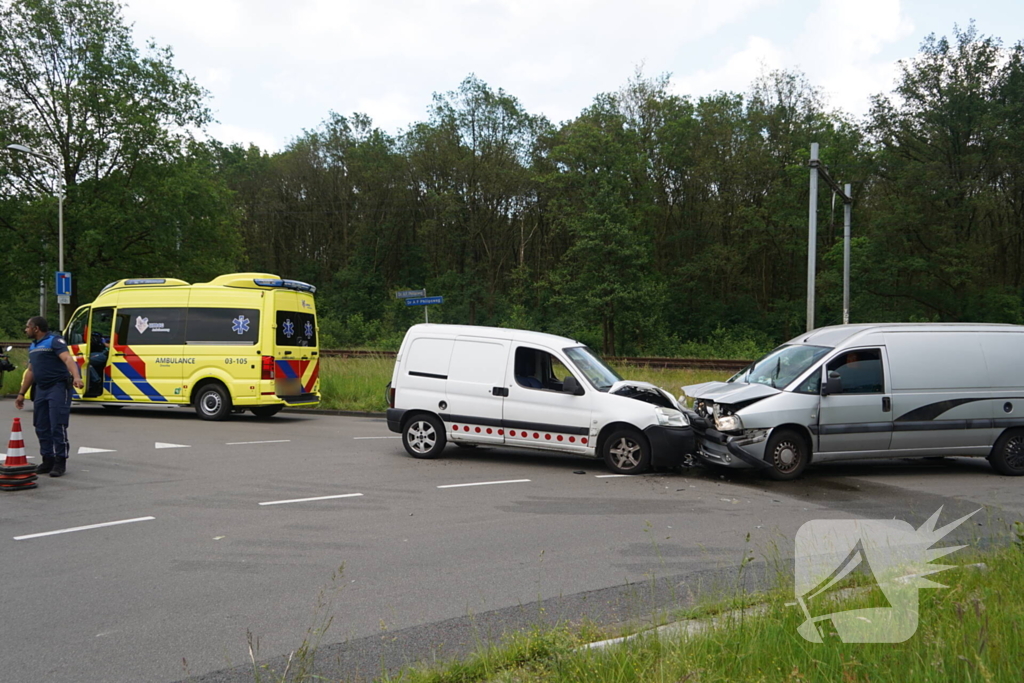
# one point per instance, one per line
(833, 384)
(571, 386)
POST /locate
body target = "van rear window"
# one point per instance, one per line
(296, 329)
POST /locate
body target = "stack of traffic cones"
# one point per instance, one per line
(17, 473)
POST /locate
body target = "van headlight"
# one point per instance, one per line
(729, 423)
(669, 417)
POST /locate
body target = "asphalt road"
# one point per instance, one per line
(404, 562)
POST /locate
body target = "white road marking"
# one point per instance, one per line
(86, 449)
(81, 528)
(170, 445)
(609, 476)
(304, 500)
(483, 483)
(357, 438)
(246, 443)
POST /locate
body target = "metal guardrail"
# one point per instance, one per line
(651, 362)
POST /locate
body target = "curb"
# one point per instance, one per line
(336, 413)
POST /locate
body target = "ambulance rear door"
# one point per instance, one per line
(296, 346)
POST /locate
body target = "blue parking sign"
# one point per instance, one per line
(63, 287)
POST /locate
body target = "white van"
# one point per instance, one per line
(870, 391)
(484, 385)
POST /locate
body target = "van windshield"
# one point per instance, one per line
(783, 365)
(595, 370)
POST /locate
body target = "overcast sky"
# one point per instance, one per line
(275, 68)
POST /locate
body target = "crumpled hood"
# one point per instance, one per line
(625, 385)
(724, 392)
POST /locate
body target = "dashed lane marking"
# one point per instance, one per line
(609, 476)
(306, 500)
(484, 483)
(247, 443)
(81, 528)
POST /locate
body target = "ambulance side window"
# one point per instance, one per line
(223, 326)
(150, 326)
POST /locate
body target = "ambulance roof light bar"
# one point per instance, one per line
(287, 284)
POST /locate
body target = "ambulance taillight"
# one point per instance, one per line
(268, 368)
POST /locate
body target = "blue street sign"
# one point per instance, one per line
(410, 293)
(425, 301)
(63, 284)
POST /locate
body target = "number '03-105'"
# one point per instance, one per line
(236, 361)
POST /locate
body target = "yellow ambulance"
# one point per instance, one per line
(244, 341)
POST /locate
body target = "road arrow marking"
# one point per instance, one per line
(170, 445)
(85, 449)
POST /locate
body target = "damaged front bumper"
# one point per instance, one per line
(742, 451)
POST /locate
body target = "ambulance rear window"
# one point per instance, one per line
(296, 329)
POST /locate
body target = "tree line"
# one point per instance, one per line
(651, 223)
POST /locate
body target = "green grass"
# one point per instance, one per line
(972, 631)
(358, 383)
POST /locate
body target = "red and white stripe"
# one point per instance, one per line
(521, 435)
(16, 446)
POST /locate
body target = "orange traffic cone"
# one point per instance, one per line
(17, 473)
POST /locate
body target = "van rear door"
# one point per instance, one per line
(476, 389)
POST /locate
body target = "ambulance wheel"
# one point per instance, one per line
(264, 412)
(212, 402)
(423, 436)
(626, 451)
(1008, 454)
(787, 455)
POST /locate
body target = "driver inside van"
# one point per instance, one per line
(525, 369)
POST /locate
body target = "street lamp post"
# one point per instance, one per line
(60, 211)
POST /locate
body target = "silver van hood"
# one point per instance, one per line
(634, 389)
(725, 392)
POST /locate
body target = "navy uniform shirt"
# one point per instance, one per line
(44, 357)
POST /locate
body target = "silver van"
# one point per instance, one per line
(869, 391)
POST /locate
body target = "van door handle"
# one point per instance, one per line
(886, 404)
(500, 391)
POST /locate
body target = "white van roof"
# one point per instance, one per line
(837, 335)
(527, 336)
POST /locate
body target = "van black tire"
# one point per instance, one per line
(626, 451)
(1008, 454)
(787, 454)
(263, 412)
(423, 436)
(212, 402)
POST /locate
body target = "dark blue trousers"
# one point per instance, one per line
(51, 409)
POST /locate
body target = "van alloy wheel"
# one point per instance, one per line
(213, 402)
(1008, 454)
(423, 437)
(626, 452)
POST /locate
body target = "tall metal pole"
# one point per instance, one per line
(426, 316)
(812, 236)
(847, 209)
(60, 245)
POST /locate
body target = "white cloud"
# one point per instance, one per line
(277, 68)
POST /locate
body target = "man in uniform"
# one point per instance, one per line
(53, 372)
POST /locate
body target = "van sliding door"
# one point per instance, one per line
(476, 390)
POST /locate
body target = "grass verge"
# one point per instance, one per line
(971, 631)
(358, 383)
